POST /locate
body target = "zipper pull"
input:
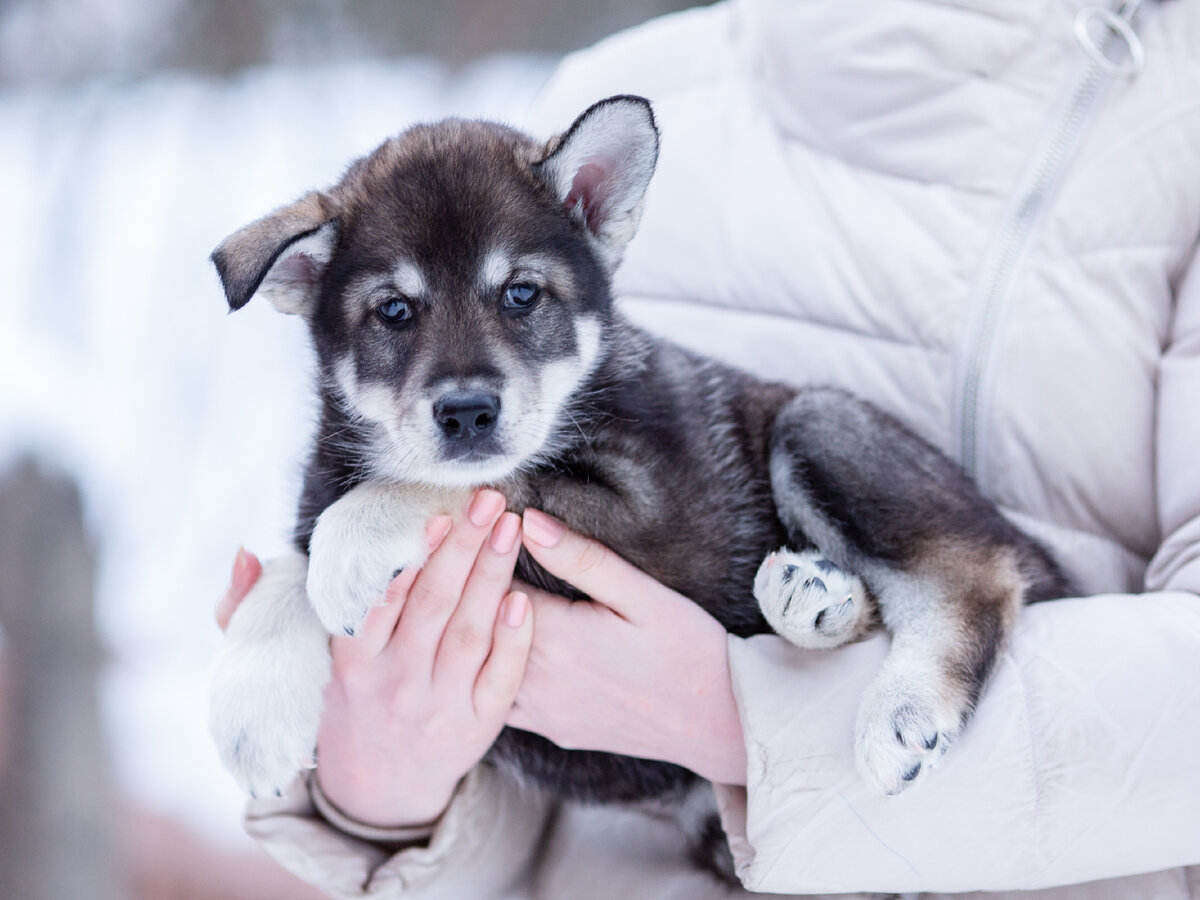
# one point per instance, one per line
(1100, 31)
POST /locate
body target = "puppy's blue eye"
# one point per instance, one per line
(394, 311)
(521, 297)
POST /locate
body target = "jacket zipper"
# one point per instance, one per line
(1032, 196)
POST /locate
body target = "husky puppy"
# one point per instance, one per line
(456, 285)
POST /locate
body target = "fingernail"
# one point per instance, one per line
(241, 563)
(515, 608)
(504, 535)
(244, 575)
(485, 507)
(543, 529)
(436, 531)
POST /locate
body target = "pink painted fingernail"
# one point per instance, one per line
(504, 535)
(485, 507)
(543, 529)
(246, 569)
(436, 531)
(239, 566)
(515, 608)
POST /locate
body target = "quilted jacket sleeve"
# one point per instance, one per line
(483, 845)
(1079, 765)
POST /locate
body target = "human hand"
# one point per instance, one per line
(421, 693)
(642, 671)
(418, 696)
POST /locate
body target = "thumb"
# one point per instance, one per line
(246, 571)
(587, 565)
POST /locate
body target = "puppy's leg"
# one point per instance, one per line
(268, 681)
(949, 620)
(359, 543)
(947, 570)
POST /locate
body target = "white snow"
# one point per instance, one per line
(185, 426)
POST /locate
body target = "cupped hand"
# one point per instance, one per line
(640, 671)
(422, 691)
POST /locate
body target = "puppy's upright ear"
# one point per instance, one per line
(281, 256)
(600, 169)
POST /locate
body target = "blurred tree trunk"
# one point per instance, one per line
(57, 813)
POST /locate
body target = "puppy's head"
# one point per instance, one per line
(456, 283)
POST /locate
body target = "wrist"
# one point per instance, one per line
(719, 752)
(396, 835)
(373, 805)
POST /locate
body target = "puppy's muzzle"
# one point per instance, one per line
(467, 417)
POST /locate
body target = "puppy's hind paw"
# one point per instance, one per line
(264, 719)
(810, 601)
(268, 683)
(905, 726)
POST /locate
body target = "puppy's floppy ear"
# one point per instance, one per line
(600, 169)
(281, 256)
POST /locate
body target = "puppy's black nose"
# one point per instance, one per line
(464, 415)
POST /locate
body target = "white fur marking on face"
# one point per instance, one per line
(570, 373)
(372, 402)
(409, 279)
(530, 410)
(366, 291)
(557, 382)
(496, 268)
(499, 268)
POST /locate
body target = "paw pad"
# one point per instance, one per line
(809, 600)
(906, 723)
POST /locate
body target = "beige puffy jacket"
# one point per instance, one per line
(951, 209)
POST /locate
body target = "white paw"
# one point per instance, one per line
(810, 601)
(906, 723)
(357, 546)
(268, 682)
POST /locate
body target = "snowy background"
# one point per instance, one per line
(120, 367)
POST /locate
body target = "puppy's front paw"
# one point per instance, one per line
(810, 601)
(906, 723)
(357, 546)
(268, 683)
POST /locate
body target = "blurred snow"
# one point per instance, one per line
(185, 427)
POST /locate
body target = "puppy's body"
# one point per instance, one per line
(456, 286)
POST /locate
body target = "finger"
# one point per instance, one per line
(377, 628)
(246, 571)
(588, 565)
(500, 678)
(468, 636)
(439, 585)
(519, 717)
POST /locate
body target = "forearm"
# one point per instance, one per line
(1079, 764)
